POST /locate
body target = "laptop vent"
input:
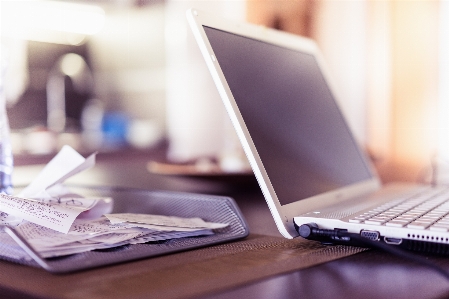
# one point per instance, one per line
(426, 247)
(428, 238)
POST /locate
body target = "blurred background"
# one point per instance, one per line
(114, 75)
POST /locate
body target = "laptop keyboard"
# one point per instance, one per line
(426, 210)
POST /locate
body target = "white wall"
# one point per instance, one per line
(128, 56)
(197, 124)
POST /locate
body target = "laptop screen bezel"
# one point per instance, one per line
(282, 214)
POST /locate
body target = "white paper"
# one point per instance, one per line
(42, 237)
(74, 248)
(54, 213)
(47, 202)
(164, 228)
(161, 236)
(103, 206)
(9, 220)
(96, 226)
(56, 222)
(163, 220)
(114, 238)
(39, 236)
(65, 164)
(88, 235)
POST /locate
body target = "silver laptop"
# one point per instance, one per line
(310, 168)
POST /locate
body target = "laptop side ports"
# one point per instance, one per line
(370, 234)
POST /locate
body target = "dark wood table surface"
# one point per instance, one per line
(368, 274)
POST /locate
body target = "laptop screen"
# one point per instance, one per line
(297, 128)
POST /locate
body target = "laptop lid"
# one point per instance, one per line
(282, 104)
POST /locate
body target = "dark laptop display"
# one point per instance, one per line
(278, 89)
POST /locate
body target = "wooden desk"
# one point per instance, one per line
(368, 274)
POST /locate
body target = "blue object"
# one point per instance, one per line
(115, 128)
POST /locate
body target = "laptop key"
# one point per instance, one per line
(438, 228)
(397, 223)
(412, 214)
(374, 222)
(356, 220)
(418, 225)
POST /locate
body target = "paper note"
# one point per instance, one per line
(65, 164)
(42, 237)
(162, 235)
(96, 226)
(163, 220)
(10, 220)
(86, 235)
(164, 228)
(54, 213)
(47, 202)
(56, 222)
(114, 238)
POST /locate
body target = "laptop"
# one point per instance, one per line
(312, 172)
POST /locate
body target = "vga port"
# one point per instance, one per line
(370, 234)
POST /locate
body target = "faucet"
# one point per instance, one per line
(75, 67)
